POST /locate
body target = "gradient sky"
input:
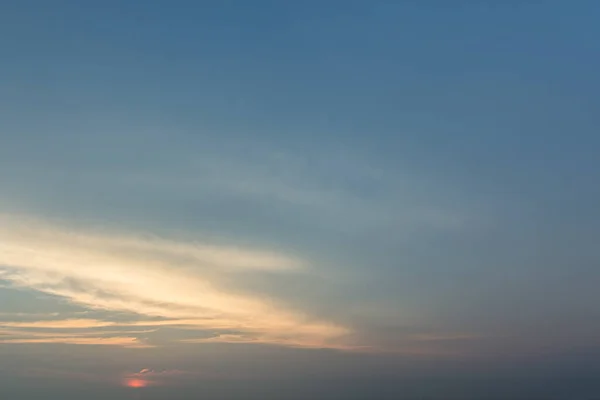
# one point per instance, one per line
(285, 199)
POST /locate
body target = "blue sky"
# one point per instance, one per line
(337, 188)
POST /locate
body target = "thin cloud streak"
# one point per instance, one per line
(121, 341)
(84, 332)
(155, 278)
(152, 377)
(59, 324)
(295, 342)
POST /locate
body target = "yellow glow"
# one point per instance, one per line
(182, 282)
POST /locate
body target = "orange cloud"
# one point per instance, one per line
(98, 341)
(60, 324)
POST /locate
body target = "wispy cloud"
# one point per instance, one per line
(180, 282)
(308, 342)
(60, 324)
(334, 192)
(447, 337)
(160, 377)
(97, 341)
(72, 331)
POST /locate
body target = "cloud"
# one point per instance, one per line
(153, 377)
(97, 341)
(178, 281)
(64, 323)
(72, 331)
(148, 292)
(69, 375)
(344, 192)
(447, 337)
(289, 341)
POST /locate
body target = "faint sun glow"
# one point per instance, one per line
(136, 383)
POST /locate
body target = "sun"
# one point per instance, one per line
(136, 383)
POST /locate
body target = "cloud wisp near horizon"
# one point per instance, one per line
(152, 277)
(142, 291)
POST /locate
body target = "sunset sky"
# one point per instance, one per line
(261, 199)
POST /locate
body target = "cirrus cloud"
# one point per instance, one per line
(179, 282)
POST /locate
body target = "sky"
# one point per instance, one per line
(342, 199)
